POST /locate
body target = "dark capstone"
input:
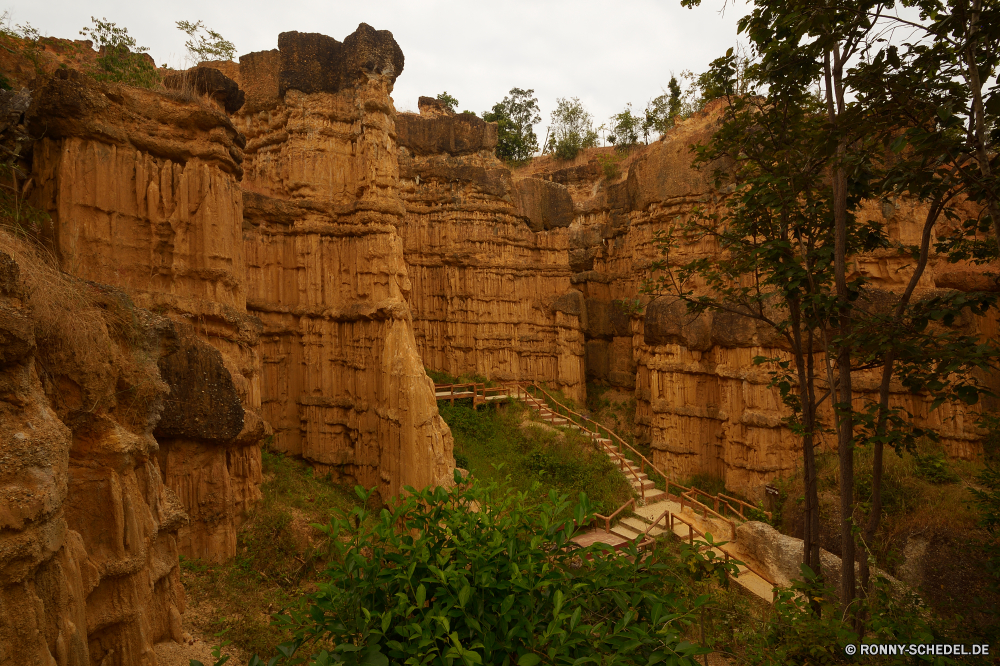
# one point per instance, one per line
(203, 403)
(570, 303)
(431, 106)
(598, 318)
(582, 260)
(668, 322)
(457, 134)
(621, 318)
(547, 205)
(208, 81)
(313, 63)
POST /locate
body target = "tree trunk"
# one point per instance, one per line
(842, 407)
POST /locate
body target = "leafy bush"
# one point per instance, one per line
(625, 129)
(500, 585)
(120, 61)
(495, 444)
(571, 130)
(798, 634)
(448, 101)
(461, 461)
(514, 116)
(204, 43)
(934, 468)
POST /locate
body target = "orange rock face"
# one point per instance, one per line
(343, 384)
(143, 193)
(703, 405)
(89, 568)
(488, 261)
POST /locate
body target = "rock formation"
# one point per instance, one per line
(343, 384)
(488, 259)
(703, 406)
(89, 568)
(143, 193)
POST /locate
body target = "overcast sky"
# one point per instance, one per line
(606, 53)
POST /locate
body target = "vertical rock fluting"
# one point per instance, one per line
(701, 402)
(343, 383)
(488, 259)
(89, 568)
(143, 192)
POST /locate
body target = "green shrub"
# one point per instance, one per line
(494, 586)
(934, 468)
(121, 61)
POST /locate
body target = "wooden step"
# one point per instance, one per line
(655, 495)
(625, 532)
(640, 525)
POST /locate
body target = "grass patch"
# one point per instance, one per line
(496, 446)
(279, 558)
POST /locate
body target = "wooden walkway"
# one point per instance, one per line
(659, 512)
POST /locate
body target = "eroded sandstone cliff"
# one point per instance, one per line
(89, 568)
(142, 189)
(702, 404)
(343, 384)
(488, 260)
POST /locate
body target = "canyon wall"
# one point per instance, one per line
(343, 384)
(142, 190)
(488, 260)
(89, 569)
(702, 405)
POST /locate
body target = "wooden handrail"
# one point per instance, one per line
(607, 519)
(594, 435)
(643, 461)
(707, 509)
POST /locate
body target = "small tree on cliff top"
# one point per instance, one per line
(204, 43)
(448, 101)
(515, 117)
(120, 60)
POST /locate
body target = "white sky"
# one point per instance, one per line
(606, 53)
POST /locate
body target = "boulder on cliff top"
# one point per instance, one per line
(313, 63)
(436, 130)
(208, 81)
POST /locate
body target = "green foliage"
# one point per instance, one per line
(277, 555)
(121, 60)
(461, 461)
(498, 585)
(447, 100)
(934, 467)
(21, 39)
(494, 444)
(515, 117)
(204, 43)
(571, 130)
(624, 129)
(799, 635)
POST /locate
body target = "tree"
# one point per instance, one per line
(625, 129)
(448, 101)
(432, 581)
(204, 43)
(571, 130)
(674, 101)
(120, 59)
(515, 116)
(887, 127)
